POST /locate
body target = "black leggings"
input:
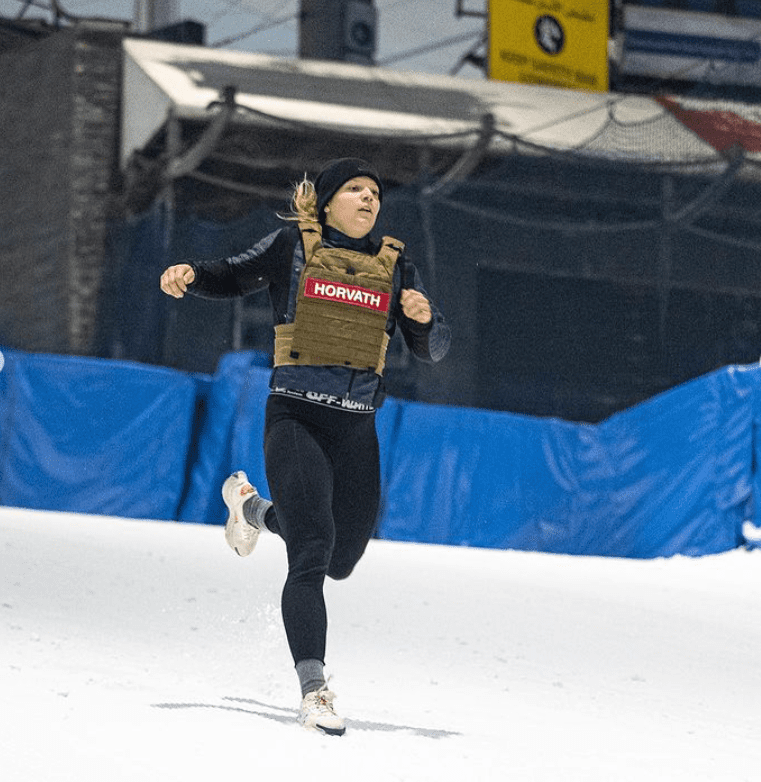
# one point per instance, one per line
(324, 476)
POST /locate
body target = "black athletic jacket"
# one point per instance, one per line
(276, 263)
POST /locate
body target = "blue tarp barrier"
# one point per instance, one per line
(93, 436)
(674, 475)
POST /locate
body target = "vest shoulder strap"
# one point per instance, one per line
(390, 251)
(311, 236)
(394, 244)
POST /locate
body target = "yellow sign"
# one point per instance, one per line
(561, 43)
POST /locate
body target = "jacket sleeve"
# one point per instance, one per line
(242, 274)
(428, 342)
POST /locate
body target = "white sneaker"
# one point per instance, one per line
(241, 535)
(317, 713)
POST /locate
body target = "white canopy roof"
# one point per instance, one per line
(159, 77)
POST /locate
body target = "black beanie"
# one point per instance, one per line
(335, 173)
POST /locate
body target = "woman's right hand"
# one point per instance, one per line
(175, 279)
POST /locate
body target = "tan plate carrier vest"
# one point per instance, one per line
(342, 306)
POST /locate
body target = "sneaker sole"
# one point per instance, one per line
(323, 729)
(331, 731)
(241, 553)
(228, 493)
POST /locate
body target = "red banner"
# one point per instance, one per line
(721, 129)
(346, 294)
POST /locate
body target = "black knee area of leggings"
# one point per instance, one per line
(338, 572)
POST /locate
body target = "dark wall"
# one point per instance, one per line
(59, 131)
(576, 289)
(35, 172)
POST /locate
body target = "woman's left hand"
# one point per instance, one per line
(415, 306)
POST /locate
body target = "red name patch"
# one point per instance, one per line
(346, 294)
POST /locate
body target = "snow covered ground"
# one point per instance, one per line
(140, 650)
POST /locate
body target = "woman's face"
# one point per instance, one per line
(354, 208)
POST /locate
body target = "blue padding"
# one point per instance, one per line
(673, 475)
(468, 477)
(680, 468)
(94, 436)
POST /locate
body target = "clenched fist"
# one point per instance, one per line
(415, 306)
(175, 279)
